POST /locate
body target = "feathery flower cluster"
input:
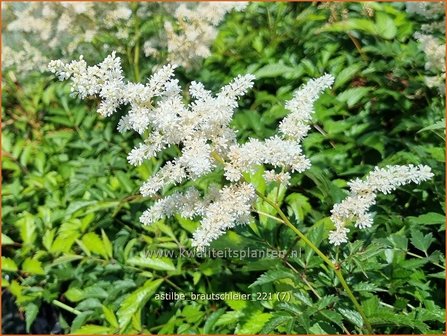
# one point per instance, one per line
(195, 30)
(432, 11)
(431, 40)
(363, 194)
(71, 28)
(284, 150)
(64, 27)
(202, 130)
(27, 59)
(434, 52)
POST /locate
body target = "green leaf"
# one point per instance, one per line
(273, 70)
(440, 125)
(66, 259)
(74, 294)
(8, 265)
(271, 276)
(125, 181)
(352, 24)
(110, 316)
(6, 240)
(275, 322)
(352, 316)
(211, 321)
(48, 238)
(31, 310)
(32, 266)
(316, 329)
(91, 329)
(107, 244)
(159, 264)
(428, 219)
(254, 323)
(135, 301)
(346, 74)
(353, 96)
(236, 304)
(385, 26)
(94, 244)
(27, 228)
(420, 241)
(231, 317)
(315, 235)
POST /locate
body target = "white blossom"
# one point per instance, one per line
(295, 125)
(189, 38)
(201, 130)
(281, 178)
(434, 52)
(355, 207)
(231, 207)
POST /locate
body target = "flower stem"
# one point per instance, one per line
(67, 308)
(136, 61)
(336, 269)
(303, 237)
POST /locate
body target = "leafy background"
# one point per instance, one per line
(73, 256)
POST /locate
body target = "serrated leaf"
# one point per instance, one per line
(303, 298)
(428, 219)
(271, 276)
(273, 70)
(275, 322)
(229, 318)
(386, 27)
(6, 240)
(352, 316)
(211, 320)
(353, 96)
(436, 126)
(135, 301)
(89, 304)
(317, 330)
(31, 311)
(8, 264)
(94, 244)
(254, 323)
(74, 294)
(32, 266)
(346, 74)
(159, 264)
(236, 304)
(420, 241)
(110, 316)
(27, 228)
(107, 244)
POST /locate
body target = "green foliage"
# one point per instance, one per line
(72, 240)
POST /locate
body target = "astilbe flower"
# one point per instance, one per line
(434, 52)
(431, 38)
(63, 26)
(202, 130)
(187, 30)
(190, 37)
(363, 193)
(432, 11)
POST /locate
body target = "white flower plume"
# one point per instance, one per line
(354, 208)
(201, 129)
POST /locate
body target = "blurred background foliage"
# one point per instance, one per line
(74, 255)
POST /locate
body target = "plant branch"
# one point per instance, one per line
(65, 307)
(336, 268)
